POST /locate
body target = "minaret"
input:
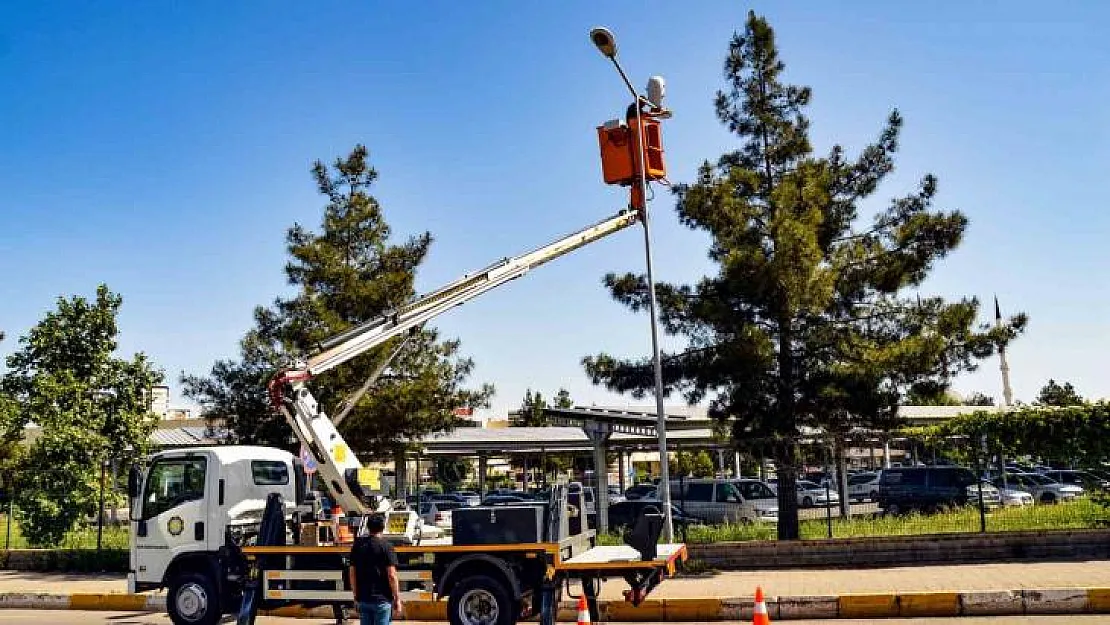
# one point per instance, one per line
(1007, 392)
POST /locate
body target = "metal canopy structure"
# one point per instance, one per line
(622, 421)
(578, 429)
(600, 430)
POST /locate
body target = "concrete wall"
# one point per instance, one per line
(903, 550)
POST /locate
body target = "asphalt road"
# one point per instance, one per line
(73, 617)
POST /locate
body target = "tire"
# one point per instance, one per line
(1048, 498)
(807, 502)
(480, 600)
(192, 599)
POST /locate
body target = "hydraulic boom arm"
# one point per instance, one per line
(288, 392)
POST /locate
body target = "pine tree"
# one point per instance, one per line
(1055, 394)
(805, 323)
(347, 273)
(563, 400)
(531, 414)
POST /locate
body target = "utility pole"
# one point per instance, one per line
(637, 175)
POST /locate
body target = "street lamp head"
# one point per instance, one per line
(604, 41)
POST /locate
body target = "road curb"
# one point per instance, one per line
(860, 606)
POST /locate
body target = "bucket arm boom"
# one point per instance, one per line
(317, 433)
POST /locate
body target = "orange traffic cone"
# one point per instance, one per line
(759, 612)
(342, 530)
(583, 610)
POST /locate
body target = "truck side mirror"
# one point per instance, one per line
(134, 479)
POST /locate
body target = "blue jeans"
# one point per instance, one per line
(374, 613)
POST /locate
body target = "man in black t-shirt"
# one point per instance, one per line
(374, 575)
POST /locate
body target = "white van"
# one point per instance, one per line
(719, 501)
(863, 487)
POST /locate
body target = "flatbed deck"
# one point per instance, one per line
(623, 557)
(606, 556)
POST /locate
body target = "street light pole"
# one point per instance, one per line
(100, 523)
(603, 39)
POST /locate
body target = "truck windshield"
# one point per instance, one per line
(172, 482)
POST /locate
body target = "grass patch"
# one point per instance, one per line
(1080, 514)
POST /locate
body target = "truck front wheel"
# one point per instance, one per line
(480, 600)
(193, 600)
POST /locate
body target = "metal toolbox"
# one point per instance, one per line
(489, 525)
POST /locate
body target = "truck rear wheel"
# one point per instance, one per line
(480, 600)
(193, 600)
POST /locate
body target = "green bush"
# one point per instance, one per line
(1081, 514)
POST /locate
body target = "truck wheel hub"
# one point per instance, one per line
(478, 607)
(191, 601)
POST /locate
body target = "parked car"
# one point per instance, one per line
(817, 477)
(1083, 479)
(992, 497)
(1043, 489)
(639, 491)
(451, 497)
(438, 513)
(811, 494)
(1012, 496)
(615, 495)
(625, 513)
(719, 501)
(507, 492)
(863, 487)
(925, 488)
(1101, 473)
(468, 497)
(761, 494)
(501, 500)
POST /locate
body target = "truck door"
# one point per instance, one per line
(173, 513)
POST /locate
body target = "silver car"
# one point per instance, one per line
(719, 501)
(1043, 489)
(812, 494)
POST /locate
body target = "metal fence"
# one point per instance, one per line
(952, 486)
(101, 516)
(826, 509)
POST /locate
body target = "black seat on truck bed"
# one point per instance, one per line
(644, 534)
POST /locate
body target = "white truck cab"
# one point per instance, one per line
(186, 503)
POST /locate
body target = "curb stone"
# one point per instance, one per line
(866, 606)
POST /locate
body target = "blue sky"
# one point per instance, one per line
(163, 148)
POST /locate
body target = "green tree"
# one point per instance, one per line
(91, 406)
(532, 406)
(450, 473)
(531, 414)
(927, 394)
(978, 399)
(347, 273)
(531, 410)
(1055, 394)
(234, 397)
(805, 324)
(693, 464)
(932, 395)
(563, 400)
